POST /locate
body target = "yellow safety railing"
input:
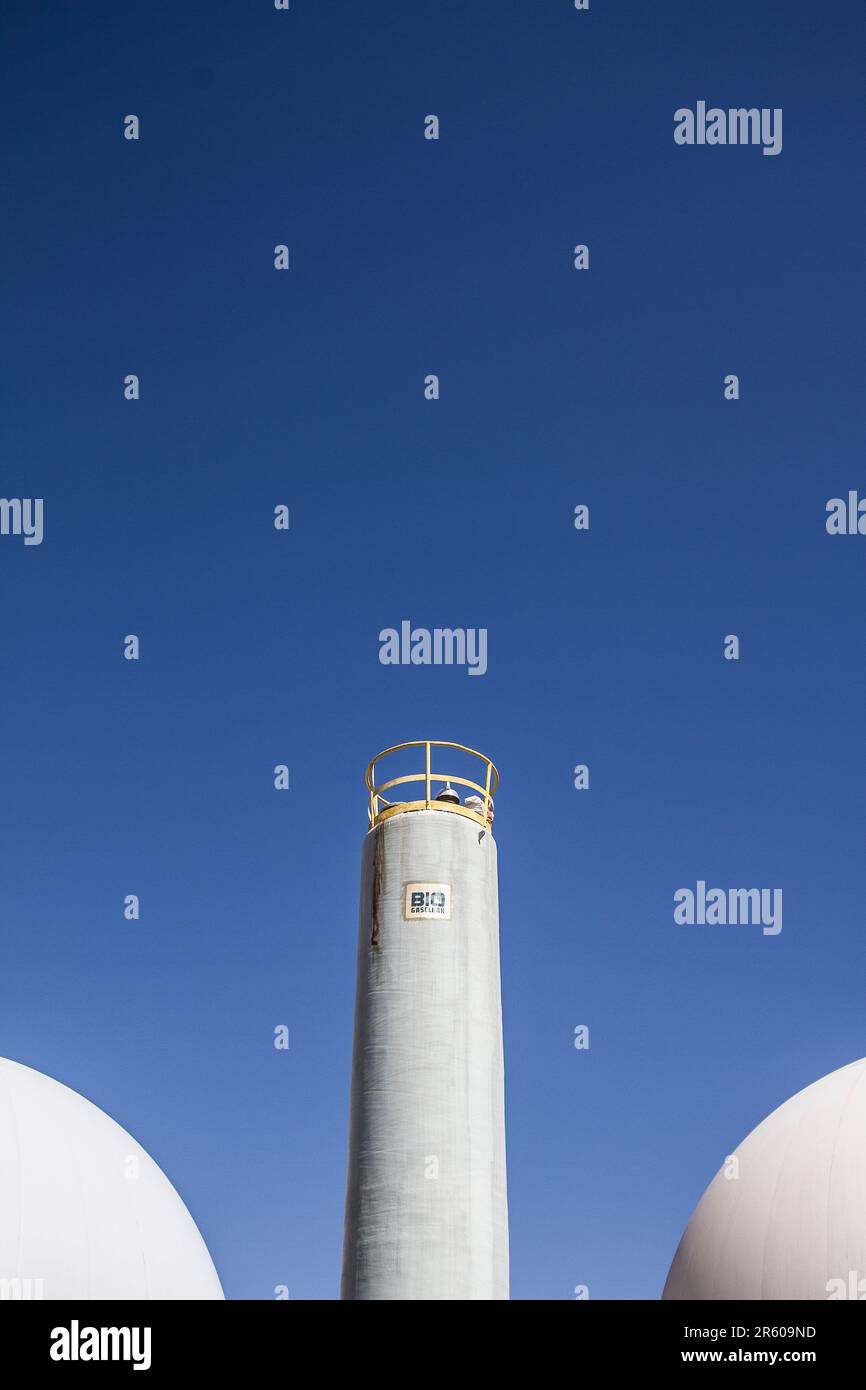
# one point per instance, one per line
(381, 808)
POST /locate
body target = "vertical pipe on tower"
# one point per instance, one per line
(426, 1206)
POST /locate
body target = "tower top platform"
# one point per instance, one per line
(429, 789)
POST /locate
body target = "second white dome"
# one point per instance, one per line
(792, 1223)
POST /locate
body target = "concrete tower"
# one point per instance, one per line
(426, 1207)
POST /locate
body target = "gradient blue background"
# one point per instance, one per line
(258, 647)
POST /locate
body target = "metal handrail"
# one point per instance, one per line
(427, 777)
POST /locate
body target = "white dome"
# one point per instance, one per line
(794, 1220)
(83, 1208)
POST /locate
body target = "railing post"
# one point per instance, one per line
(487, 792)
(427, 777)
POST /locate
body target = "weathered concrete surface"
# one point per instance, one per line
(426, 1206)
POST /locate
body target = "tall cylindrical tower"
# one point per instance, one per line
(426, 1207)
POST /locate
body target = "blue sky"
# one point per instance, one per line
(558, 387)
